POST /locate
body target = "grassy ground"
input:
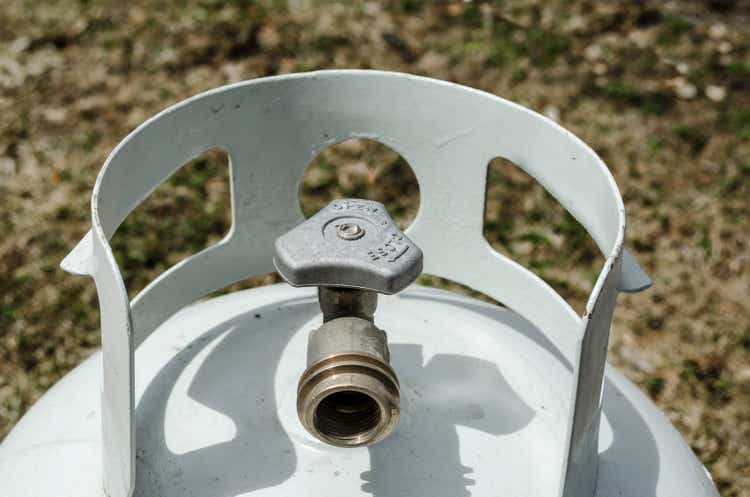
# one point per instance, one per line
(660, 89)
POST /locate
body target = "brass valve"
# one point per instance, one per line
(351, 250)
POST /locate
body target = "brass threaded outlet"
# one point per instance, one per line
(348, 396)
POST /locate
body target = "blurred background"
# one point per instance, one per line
(661, 90)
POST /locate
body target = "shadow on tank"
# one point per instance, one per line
(260, 454)
(423, 457)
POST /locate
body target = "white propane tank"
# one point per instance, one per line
(201, 399)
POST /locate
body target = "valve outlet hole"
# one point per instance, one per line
(347, 415)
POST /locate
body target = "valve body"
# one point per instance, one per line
(349, 395)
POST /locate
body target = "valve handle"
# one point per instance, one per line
(349, 243)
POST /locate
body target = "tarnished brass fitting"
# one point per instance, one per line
(349, 395)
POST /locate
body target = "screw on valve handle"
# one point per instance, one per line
(351, 250)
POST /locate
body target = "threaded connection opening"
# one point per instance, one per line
(347, 415)
(349, 401)
(348, 396)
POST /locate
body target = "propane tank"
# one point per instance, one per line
(348, 379)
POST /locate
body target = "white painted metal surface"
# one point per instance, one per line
(271, 129)
(483, 396)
